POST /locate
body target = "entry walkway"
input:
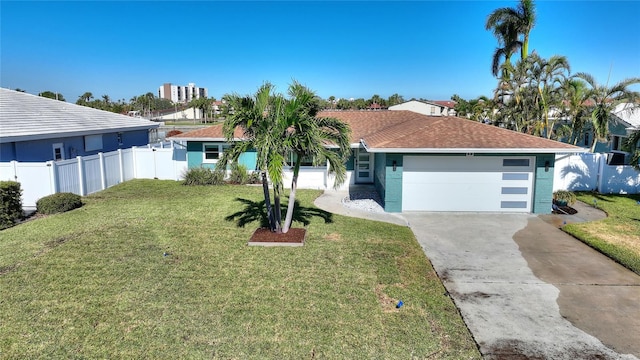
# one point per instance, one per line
(526, 289)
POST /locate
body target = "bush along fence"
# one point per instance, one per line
(89, 174)
(10, 203)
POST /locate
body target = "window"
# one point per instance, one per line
(306, 160)
(515, 191)
(213, 152)
(92, 142)
(58, 151)
(515, 162)
(515, 176)
(513, 204)
(616, 142)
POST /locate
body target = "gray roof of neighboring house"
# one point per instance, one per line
(25, 117)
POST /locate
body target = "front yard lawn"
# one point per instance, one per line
(617, 236)
(151, 269)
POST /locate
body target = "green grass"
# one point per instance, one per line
(617, 236)
(94, 283)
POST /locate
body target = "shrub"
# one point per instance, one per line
(254, 177)
(564, 197)
(203, 176)
(239, 174)
(10, 203)
(58, 203)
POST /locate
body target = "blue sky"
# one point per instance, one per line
(421, 49)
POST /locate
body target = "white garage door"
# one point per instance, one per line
(467, 183)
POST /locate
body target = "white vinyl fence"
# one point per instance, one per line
(589, 172)
(90, 174)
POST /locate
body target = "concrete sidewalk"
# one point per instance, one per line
(526, 289)
(331, 201)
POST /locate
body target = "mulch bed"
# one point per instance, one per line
(294, 235)
(565, 210)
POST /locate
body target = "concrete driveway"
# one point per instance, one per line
(528, 290)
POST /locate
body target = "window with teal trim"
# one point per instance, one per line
(213, 152)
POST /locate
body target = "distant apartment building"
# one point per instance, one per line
(181, 94)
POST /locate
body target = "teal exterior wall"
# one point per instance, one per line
(543, 184)
(389, 182)
(380, 174)
(351, 162)
(195, 156)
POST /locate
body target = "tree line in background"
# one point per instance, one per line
(541, 96)
(148, 103)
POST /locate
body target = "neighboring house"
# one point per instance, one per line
(375, 106)
(625, 118)
(449, 106)
(36, 129)
(431, 108)
(429, 163)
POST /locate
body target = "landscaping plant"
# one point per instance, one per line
(10, 203)
(203, 176)
(58, 203)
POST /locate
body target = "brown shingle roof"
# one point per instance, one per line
(210, 133)
(402, 129)
(406, 130)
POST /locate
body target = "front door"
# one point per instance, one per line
(364, 167)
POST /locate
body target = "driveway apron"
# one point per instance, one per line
(528, 290)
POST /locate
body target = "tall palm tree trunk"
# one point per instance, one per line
(277, 212)
(292, 197)
(267, 201)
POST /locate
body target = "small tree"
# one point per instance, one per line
(605, 99)
(278, 127)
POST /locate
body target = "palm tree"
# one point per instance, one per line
(547, 75)
(277, 128)
(507, 36)
(84, 98)
(307, 136)
(633, 146)
(574, 94)
(395, 99)
(507, 21)
(604, 99)
(332, 101)
(256, 116)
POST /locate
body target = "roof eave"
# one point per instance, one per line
(204, 139)
(477, 150)
(56, 135)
